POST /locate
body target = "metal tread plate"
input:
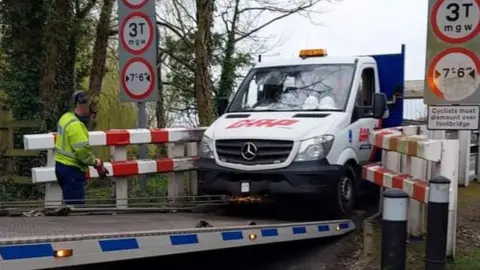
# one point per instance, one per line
(86, 226)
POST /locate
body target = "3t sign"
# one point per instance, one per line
(456, 21)
(136, 28)
(136, 33)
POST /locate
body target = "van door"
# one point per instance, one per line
(361, 127)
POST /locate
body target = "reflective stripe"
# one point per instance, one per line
(65, 129)
(88, 160)
(65, 153)
(80, 144)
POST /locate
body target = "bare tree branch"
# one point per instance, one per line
(273, 9)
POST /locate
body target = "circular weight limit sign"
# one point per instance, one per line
(453, 74)
(136, 33)
(138, 78)
(456, 21)
(135, 4)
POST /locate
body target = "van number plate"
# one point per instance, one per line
(245, 187)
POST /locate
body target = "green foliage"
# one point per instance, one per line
(10, 191)
(23, 55)
(22, 58)
(181, 94)
(111, 113)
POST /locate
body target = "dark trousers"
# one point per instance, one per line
(72, 181)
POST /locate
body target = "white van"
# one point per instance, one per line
(300, 128)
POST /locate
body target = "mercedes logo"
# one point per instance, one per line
(249, 151)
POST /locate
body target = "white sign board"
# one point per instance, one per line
(453, 117)
(453, 44)
(138, 51)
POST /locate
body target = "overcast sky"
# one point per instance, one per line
(360, 27)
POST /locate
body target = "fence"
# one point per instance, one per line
(182, 157)
(408, 159)
(8, 153)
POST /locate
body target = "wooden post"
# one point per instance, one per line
(6, 139)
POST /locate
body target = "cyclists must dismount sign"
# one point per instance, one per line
(138, 51)
(453, 46)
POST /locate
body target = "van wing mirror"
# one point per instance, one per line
(379, 106)
(222, 104)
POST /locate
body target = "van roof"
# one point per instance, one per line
(313, 61)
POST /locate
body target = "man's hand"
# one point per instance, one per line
(98, 163)
(102, 171)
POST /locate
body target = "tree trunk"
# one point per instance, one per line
(227, 75)
(203, 86)
(99, 59)
(55, 32)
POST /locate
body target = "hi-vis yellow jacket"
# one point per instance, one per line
(72, 147)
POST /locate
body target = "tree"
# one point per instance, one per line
(99, 58)
(66, 25)
(242, 20)
(237, 21)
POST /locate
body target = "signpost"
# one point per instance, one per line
(452, 84)
(138, 51)
(138, 58)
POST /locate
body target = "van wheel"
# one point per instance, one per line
(344, 198)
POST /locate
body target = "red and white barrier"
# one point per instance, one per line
(175, 166)
(417, 189)
(408, 159)
(125, 168)
(120, 137)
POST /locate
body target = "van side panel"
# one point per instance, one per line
(346, 155)
(391, 73)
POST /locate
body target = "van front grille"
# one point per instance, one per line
(267, 151)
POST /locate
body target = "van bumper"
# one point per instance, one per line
(300, 178)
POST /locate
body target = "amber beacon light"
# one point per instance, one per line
(306, 53)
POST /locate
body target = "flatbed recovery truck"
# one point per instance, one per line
(55, 242)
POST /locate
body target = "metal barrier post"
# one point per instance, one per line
(437, 223)
(394, 229)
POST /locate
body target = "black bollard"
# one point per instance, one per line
(394, 229)
(437, 223)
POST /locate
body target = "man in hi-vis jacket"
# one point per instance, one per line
(73, 153)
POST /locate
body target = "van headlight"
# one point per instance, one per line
(315, 148)
(206, 147)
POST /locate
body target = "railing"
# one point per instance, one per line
(409, 158)
(182, 157)
(7, 151)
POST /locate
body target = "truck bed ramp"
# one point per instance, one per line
(53, 242)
